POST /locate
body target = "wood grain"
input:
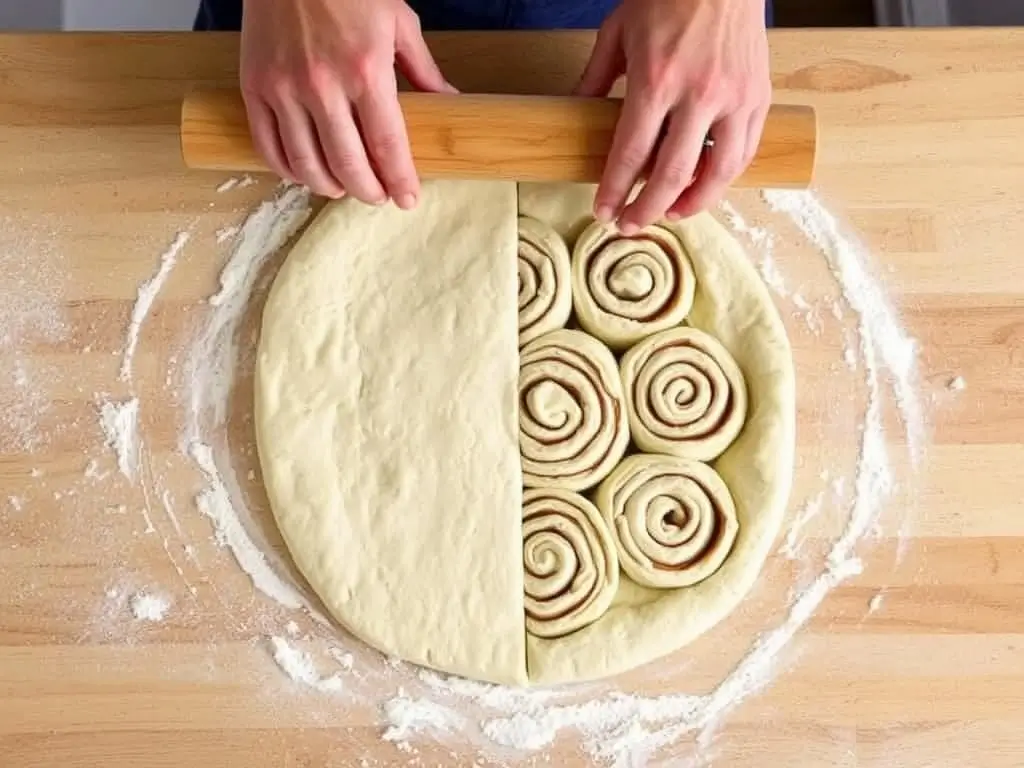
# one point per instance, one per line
(920, 152)
(488, 136)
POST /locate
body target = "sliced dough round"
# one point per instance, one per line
(673, 520)
(545, 291)
(572, 572)
(626, 288)
(685, 395)
(572, 417)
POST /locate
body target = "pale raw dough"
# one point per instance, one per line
(626, 288)
(386, 385)
(545, 290)
(573, 428)
(572, 572)
(387, 421)
(733, 305)
(673, 520)
(685, 395)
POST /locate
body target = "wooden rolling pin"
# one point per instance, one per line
(519, 138)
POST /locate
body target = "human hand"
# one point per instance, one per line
(318, 77)
(693, 68)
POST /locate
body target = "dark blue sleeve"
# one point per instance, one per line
(463, 14)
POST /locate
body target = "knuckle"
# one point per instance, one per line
(674, 176)
(384, 145)
(361, 71)
(633, 157)
(345, 164)
(706, 90)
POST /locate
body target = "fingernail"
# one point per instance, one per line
(406, 201)
(628, 228)
(673, 216)
(604, 214)
(449, 88)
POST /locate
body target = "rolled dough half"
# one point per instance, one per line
(731, 304)
(386, 419)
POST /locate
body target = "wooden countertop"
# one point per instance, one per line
(922, 153)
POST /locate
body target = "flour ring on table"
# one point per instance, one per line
(673, 520)
(569, 558)
(626, 288)
(572, 416)
(545, 291)
(685, 395)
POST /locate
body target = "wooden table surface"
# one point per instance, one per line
(922, 153)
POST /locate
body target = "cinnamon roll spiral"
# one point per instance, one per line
(545, 292)
(626, 288)
(572, 418)
(571, 569)
(673, 520)
(684, 393)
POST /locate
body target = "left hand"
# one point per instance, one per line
(693, 68)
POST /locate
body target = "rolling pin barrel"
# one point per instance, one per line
(518, 138)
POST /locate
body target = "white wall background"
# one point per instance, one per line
(128, 14)
(97, 14)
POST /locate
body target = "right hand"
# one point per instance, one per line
(318, 77)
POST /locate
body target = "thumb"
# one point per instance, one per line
(606, 62)
(416, 61)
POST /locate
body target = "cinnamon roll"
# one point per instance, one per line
(626, 288)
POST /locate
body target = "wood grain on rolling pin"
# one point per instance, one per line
(483, 136)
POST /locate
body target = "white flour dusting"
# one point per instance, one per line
(408, 717)
(120, 423)
(215, 503)
(144, 301)
(211, 366)
(299, 666)
(956, 384)
(880, 329)
(226, 233)
(149, 607)
(794, 536)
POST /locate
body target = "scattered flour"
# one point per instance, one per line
(406, 717)
(875, 602)
(956, 384)
(120, 423)
(149, 607)
(791, 546)
(227, 186)
(144, 301)
(298, 665)
(226, 233)
(211, 366)
(215, 502)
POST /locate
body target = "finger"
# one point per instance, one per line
(266, 138)
(722, 164)
(302, 149)
(415, 59)
(635, 136)
(344, 152)
(674, 168)
(755, 128)
(383, 125)
(606, 62)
